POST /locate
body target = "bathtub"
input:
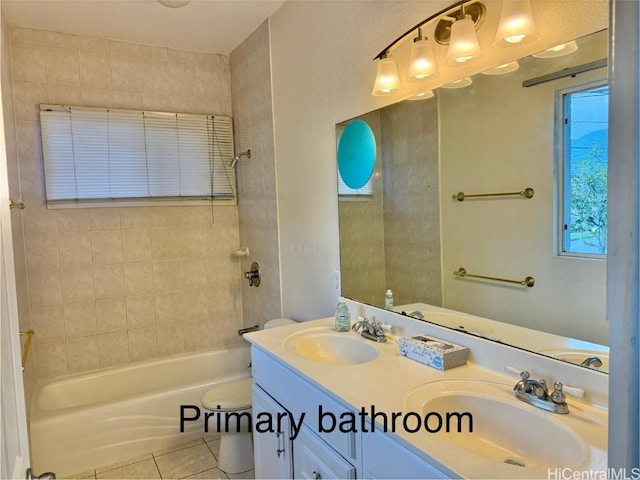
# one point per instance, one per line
(90, 420)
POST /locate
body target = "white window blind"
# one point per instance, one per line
(123, 156)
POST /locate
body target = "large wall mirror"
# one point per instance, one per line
(408, 234)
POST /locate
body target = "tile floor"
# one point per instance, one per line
(196, 459)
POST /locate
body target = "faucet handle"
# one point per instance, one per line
(557, 396)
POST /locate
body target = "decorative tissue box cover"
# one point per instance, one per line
(433, 352)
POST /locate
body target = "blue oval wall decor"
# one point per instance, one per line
(356, 154)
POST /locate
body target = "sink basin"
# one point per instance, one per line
(332, 348)
(507, 434)
(459, 322)
(577, 356)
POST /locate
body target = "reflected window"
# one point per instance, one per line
(583, 164)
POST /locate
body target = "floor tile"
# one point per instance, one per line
(139, 458)
(142, 470)
(214, 474)
(180, 446)
(248, 474)
(185, 462)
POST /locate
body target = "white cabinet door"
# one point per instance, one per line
(314, 459)
(271, 450)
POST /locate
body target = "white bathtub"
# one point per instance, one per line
(90, 420)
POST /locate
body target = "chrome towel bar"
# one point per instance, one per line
(527, 282)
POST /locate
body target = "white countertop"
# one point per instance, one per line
(385, 381)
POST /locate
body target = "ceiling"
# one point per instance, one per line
(213, 26)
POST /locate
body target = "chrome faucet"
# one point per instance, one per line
(371, 329)
(536, 393)
(592, 362)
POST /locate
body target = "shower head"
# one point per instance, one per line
(241, 154)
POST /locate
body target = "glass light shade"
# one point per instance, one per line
(463, 45)
(422, 95)
(558, 50)
(503, 69)
(422, 63)
(387, 78)
(174, 3)
(463, 82)
(516, 24)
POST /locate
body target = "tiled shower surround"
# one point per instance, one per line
(111, 286)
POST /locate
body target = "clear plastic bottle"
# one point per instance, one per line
(343, 317)
(388, 300)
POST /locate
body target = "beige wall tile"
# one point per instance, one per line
(59, 39)
(183, 56)
(165, 216)
(64, 95)
(93, 44)
(150, 53)
(27, 99)
(168, 308)
(138, 278)
(194, 242)
(106, 246)
(201, 216)
(156, 102)
(77, 284)
(95, 70)
(27, 63)
(29, 140)
(142, 345)
(62, 66)
(45, 287)
(111, 315)
(38, 220)
(136, 244)
(195, 306)
(125, 48)
(109, 281)
(72, 219)
(26, 35)
(42, 251)
(96, 98)
(170, 339)
(141, 311)
(75, 248)
(113, 349)
(166, 243)
(104, 218)
(154, 77)
(134, 217)
(82, 354)
(190, 104)
(194, 274)
(182, 79)
(197, 336)
(166, 276)
(50, 360)
(48, 323)
(79, 319)
(127, 100)
(125, 72)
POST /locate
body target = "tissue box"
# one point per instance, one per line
(433, 352)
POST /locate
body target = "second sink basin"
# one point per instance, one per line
(507, 435)
(329, 347)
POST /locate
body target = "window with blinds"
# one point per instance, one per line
(105, 155)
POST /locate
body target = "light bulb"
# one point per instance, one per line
(516, 24)
(463, 45)
(387, 78)
(421, 62)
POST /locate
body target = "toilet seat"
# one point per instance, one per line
(229, 396)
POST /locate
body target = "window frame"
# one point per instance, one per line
(161, 200)
(563, 194)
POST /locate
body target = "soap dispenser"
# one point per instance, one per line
(343, 317)
(388, 300)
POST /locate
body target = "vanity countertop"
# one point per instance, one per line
(386, 381)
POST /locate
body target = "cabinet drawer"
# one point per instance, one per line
(384, 457)
(298, 395)
(314, 459)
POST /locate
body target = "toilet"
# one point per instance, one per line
(236, 448)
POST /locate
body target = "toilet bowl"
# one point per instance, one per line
(231, 404)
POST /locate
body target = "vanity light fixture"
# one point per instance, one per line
(503, 69)
(387, 78)
(422, 63)
(422, 95)
(463, 42)
(558, 50)
(516, 24)
(463, 82)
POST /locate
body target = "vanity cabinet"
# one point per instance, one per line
(310, 448)
(272, 450)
